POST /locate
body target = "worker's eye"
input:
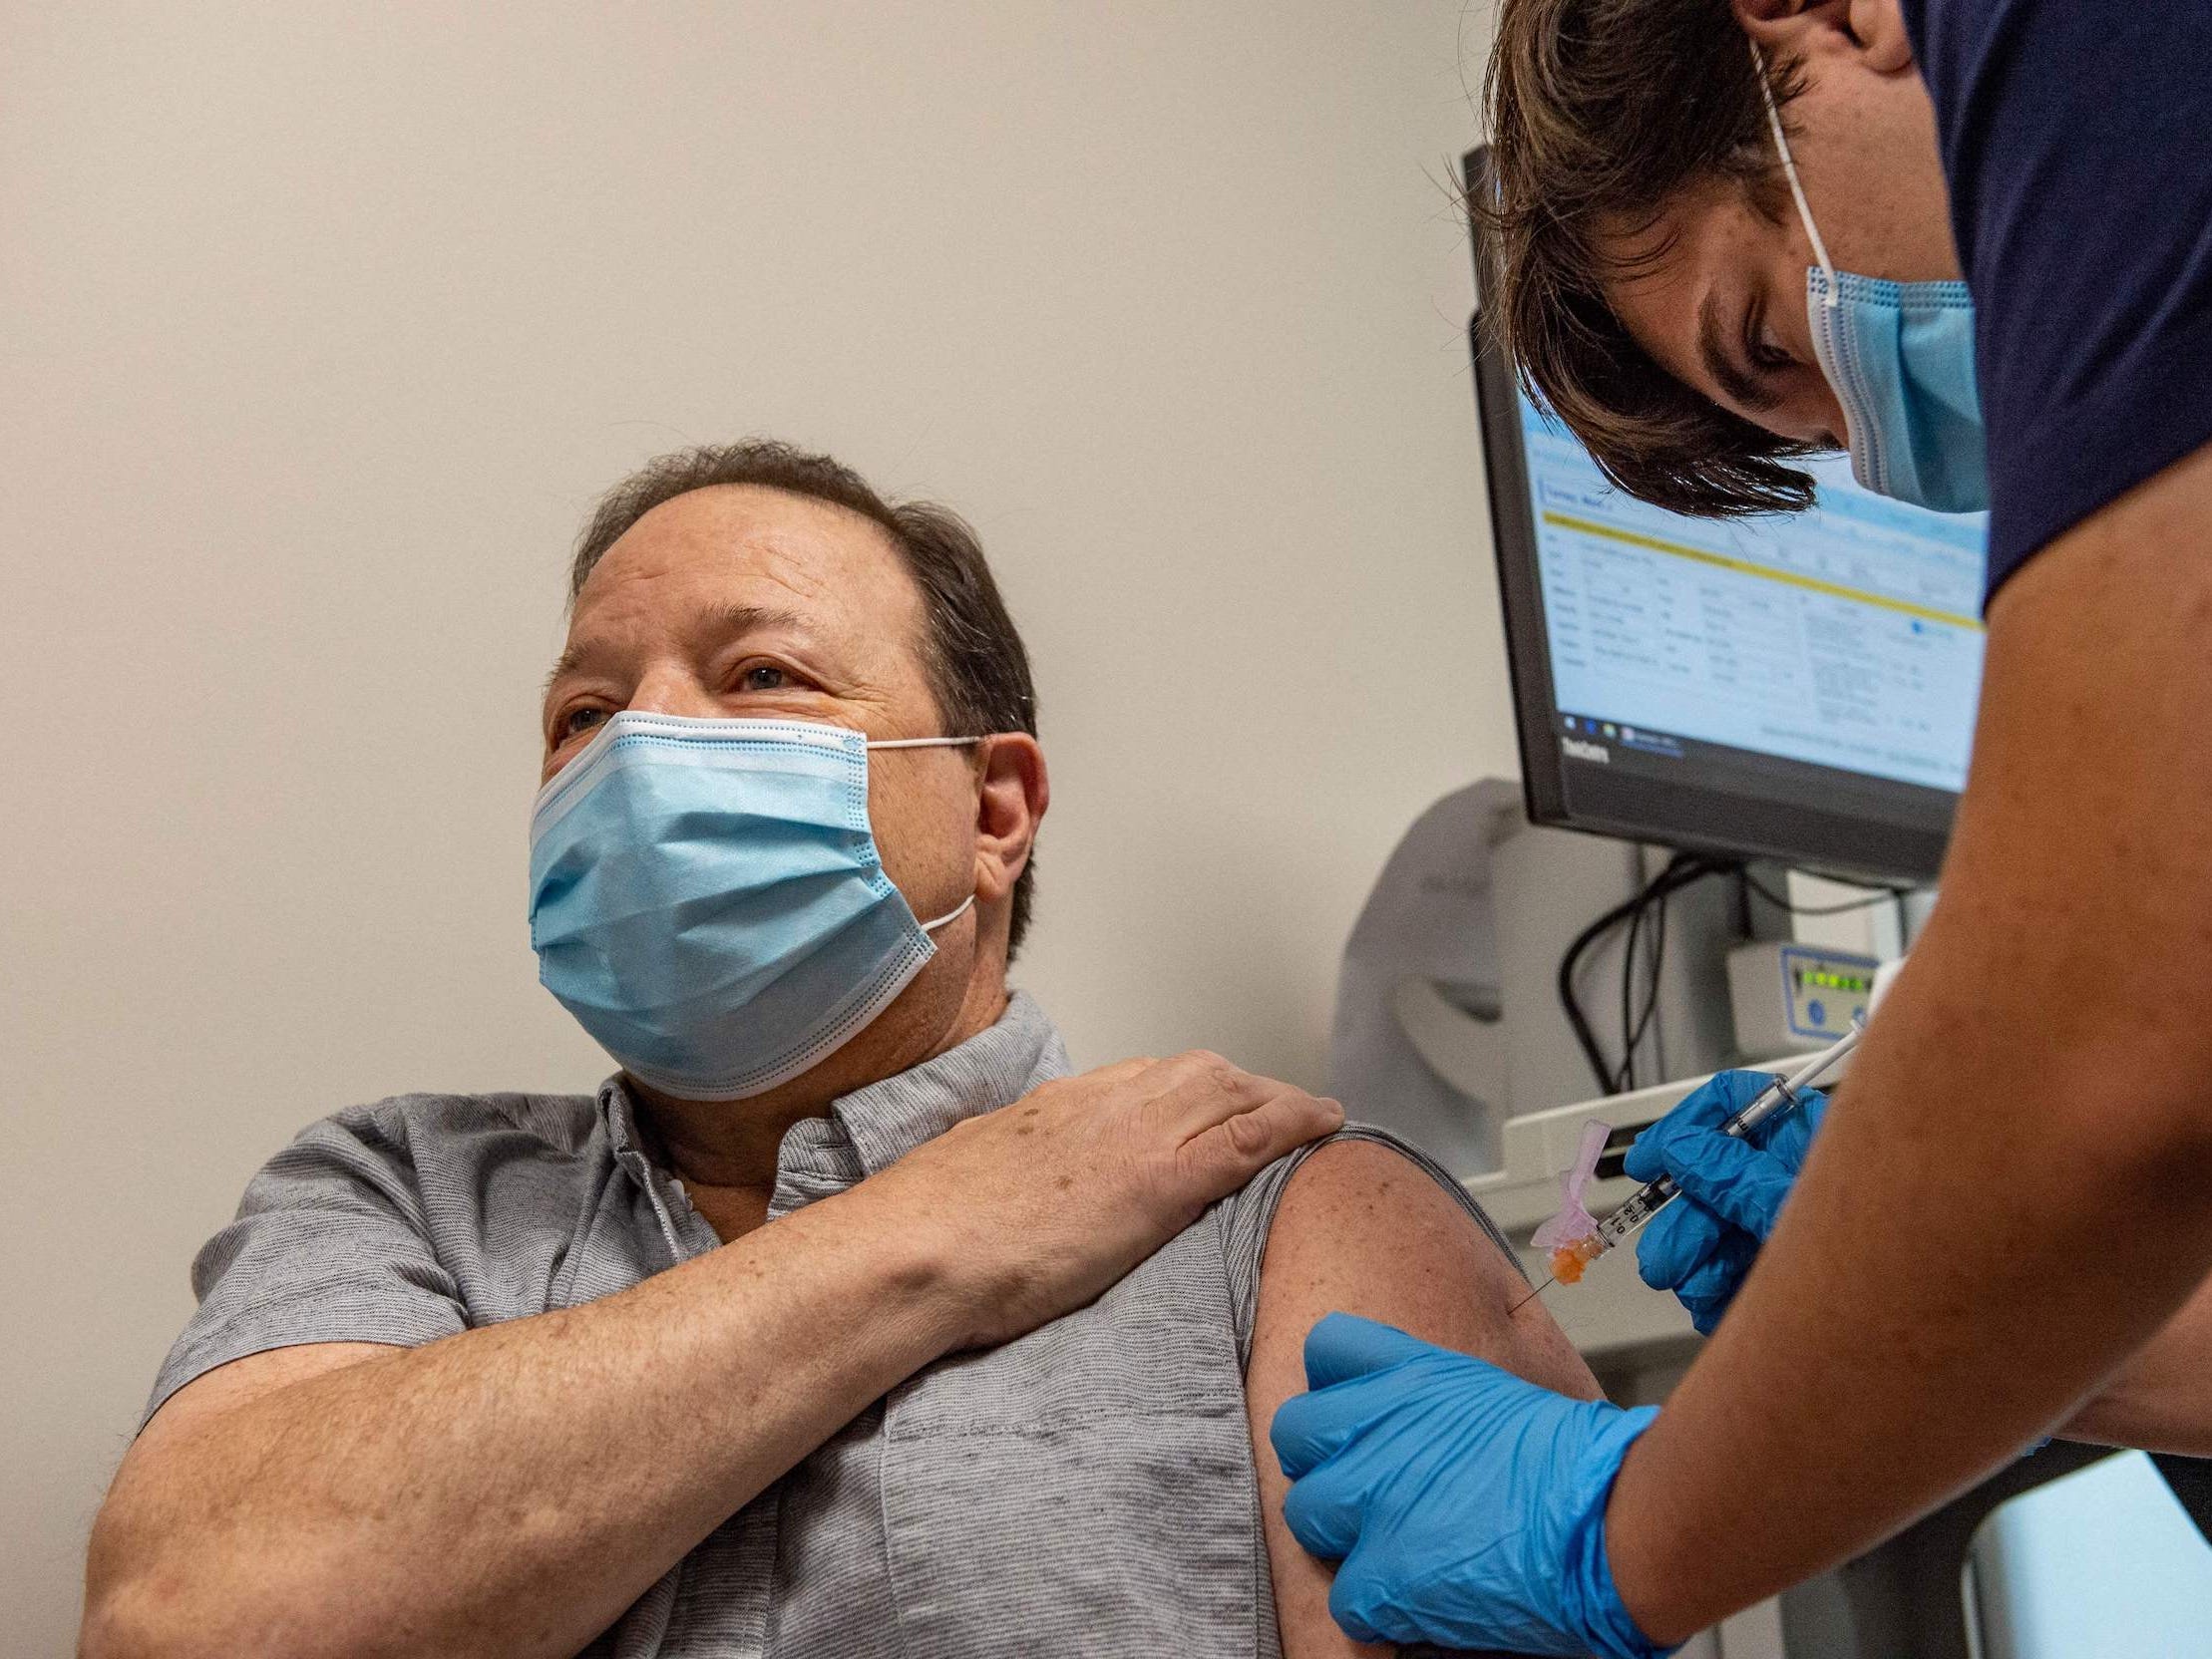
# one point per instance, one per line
(1767, 353)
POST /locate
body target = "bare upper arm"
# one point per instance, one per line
(2161, 1398)
(2081, 864)
(1361, 1230)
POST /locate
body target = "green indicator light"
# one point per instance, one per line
(1827, 979)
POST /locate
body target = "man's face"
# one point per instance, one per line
(1718, 296)
(744, 603)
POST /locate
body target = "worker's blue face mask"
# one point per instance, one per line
(1900, 358)
(706, 898)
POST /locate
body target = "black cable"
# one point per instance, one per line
(1650, 995)
(1600, 1067)
(1679, 872)
(1626, 1067)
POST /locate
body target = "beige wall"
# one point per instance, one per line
(319, 328)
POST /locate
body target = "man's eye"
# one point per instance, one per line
(763, 676)
(576, 722)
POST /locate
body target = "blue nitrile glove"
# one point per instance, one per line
(1467, 1506)
(1702, 1244)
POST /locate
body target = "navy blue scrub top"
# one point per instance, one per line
(2077, 136)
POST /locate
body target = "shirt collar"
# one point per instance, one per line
(876, 1126)
(996, 1067)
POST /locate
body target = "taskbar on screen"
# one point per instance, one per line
(1608, 758)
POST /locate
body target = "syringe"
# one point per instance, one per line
(1782, 1094)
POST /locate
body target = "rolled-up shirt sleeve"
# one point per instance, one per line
(329, 1245)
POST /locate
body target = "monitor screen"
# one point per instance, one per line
(1795, 687)
(1846, 636)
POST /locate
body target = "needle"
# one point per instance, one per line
(1777, 1097)
(1532, 1297)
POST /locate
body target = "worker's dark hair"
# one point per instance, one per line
(977, 667)
(1601, 114)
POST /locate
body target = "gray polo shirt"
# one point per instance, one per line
(1086, 1489)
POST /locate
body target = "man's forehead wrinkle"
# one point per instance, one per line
(870, 629)
(614, 582)
(712, 566)
(790, 568)
(810, 548)
(825, 562)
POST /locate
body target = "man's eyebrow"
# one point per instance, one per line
(1739, 382)
(564, 665)
(734, 622)
(724, 621)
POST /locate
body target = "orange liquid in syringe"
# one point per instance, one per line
(1569, 1260)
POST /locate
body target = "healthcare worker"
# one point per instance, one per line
(1972, 241)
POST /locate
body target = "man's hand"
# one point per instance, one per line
(1037, 1208)
(338, 1501)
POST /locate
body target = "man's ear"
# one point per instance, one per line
(1012, 792)
(1872, 30)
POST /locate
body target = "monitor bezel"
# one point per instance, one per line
(1683, 816)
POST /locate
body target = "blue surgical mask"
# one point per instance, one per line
(706, 898)
(1900, 358)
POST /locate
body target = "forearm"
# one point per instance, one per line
(513, 1488)
(2161, 1398)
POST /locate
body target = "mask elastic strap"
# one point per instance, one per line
(1789, 170)
(968, 902)
(950, 916)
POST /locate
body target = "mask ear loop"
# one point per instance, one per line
(950, 916)
(967, 903)
(1789, 170)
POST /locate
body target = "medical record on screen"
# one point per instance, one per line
(1848, 636)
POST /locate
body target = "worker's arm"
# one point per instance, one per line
(2161, 1398)
(1701, 1246)
(2015, 1192)
(510, 1489)
(1361, 1230)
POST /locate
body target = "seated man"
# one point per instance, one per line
(520, 1375)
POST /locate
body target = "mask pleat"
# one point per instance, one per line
(710, 905)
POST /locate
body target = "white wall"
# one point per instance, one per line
(319, 328)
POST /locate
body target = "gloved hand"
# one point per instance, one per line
(1702, 1244)
(1467, 1506)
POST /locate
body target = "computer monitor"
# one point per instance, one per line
(1796, 688)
